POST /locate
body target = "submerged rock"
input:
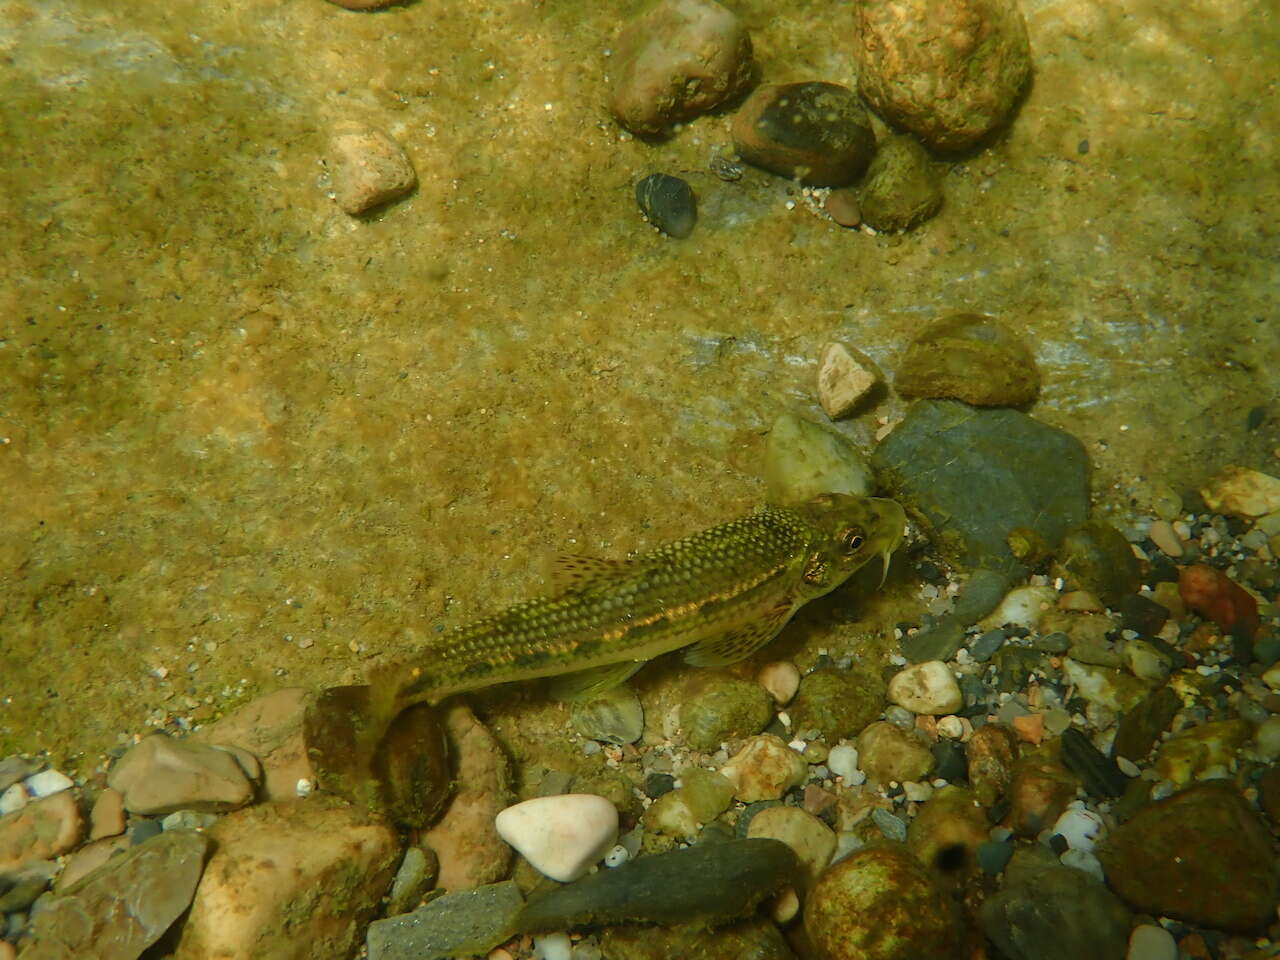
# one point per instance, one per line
(706, 884)
(756, 938)
(947, 70)
(973, 476)
(678, 59)
(561, 835)
(668, 203)
(278, 862)
(901, 189)
(161, 775)
(1045, 911)
(880, 903)
(969, 357)
(403, 777)
(369, 168)
(803, 459)
(838, 703)
(124, 906)
(615, 716)
(719, 707)
(455, 925)
(818, 133)
(1096, 557)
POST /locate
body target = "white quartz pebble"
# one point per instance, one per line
(843, 762)
(1149, 942)
(563, 835)
(553, 946)
(1081, 828)
(47, 782)
(928, 688)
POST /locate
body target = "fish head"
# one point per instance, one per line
(847, 531)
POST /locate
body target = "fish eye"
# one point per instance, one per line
(852, 539)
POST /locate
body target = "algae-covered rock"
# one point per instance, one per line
(719, 707)
(755, 938)
(403, 777)
(838, 703)
(947, 832)
(707, 884)
(1202, 856)
(816, 132)
(1045, 911)
(886, 753)
(615, 716)
(1188, 754)
(972, 476)
(947, 70)
(901, 189)
(804, 459)
(969, 357)
(880, 903)
(702, 796)
(457, 924)
(1096, 557)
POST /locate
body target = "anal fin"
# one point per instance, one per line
(741, 642)
(586, 684)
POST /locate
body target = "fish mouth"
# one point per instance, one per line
(891, 527)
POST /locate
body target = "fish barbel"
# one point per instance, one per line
(722, 593)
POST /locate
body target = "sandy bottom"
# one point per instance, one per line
(247, 441)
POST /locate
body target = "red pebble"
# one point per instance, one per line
(1215, 596)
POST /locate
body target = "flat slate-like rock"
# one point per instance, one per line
(707, 884)
(457, 924)
(976, 475)
(120, 909)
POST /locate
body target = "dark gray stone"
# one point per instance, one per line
(1046, 911)
(973, 476)
(708, 883)
(457, 924)
(669, 204)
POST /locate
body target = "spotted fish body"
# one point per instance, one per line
(722, 593)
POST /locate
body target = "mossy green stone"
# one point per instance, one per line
(722, 708)
(837, 703)
(969, 357)
(901, 189)
(1096, 557)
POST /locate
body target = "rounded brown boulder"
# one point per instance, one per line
(969, 357)
(676, 61)
(817, 132)
(880, 903)
(949, 71)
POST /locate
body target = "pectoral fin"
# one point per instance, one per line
(586, 684)
(738, 644)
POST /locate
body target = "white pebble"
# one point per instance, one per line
(304, 787)
(1127, 767)
(951, 727)
(928, 688)
(781, 678)
(15, 798)
(563, 835)
(617, 856)
(843, 762)
(1086, 861)
(1022, 607)
(917, 792)
(47, 782)
(1081, 828)
(553, 946)
(1163, 536)
(1149, 942)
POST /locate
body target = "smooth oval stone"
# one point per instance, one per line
(971, 357)
(901, 189)
(816, 132)
(668, 203)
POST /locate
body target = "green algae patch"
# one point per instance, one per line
(708, 885)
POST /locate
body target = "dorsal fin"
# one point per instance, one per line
(741, 642)
(573, 570)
